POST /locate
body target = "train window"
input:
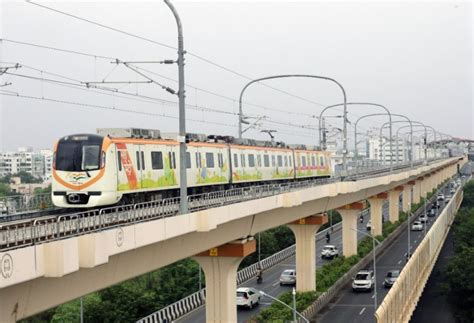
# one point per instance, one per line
(119, 160)
(313, 161)
(174, 160)
(138, 160)
(286, 161)
(210, 160)
(143, 160)
(266, 160)
(321, 160)
(280, 161)
(273, 160)
(259, 161)
(236, 161)
(303, 161)
(188, 159)
(251, 160)
(242, 160)
(156, 160)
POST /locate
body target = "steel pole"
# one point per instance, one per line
(183, 187)
(375, 276)
(294, 305)
(82, 311)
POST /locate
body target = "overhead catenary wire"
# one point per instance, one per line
(145, 99)
(190, 53)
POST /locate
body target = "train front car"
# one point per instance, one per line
(84, 172)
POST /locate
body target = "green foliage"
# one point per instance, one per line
(279, 313)
(272, 241)
(26, 178)
(5, 190)
(130, 300)
(328, 274)
(460, 268)
(468, 199)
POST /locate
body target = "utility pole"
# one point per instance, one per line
(183, 187)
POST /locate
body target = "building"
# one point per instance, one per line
(38, 164)
(380, 149)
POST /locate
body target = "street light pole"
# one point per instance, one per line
(284, 304)
(183, 187)
(293, 292)
(241, 116)
(374, 261)
(408, 229)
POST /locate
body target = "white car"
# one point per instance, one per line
(417, 226)
(452, 191)
(369, 225)
(247, 297)
(288, 277)
(423, 218)
(363, 281)
(440, 197)
(329, 251)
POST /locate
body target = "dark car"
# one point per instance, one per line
(391, 278)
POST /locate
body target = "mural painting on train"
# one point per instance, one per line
(128, 165)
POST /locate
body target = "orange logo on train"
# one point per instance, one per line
(127, 165)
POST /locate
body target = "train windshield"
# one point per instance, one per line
(79, 153)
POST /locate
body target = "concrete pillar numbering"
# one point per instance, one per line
(220, 269)
(305, 237)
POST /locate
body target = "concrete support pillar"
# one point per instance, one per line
(426, 184)
(350, 214)
(422, 186)
(220, 269)
(393, 201)
(376, 208)
(305, 236)
(416, 192)
(407, 198)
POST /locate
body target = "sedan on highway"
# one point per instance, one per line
(440, 197)
(363, 281)
(423, 218)
(329, 252)
(369, 225)
(432, 212)
(391, 278)
(247, 297)
(417, 226)
(288, 277)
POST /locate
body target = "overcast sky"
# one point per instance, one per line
(413, 57)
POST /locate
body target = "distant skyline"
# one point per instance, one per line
(413, 57)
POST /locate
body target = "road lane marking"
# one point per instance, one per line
(276, 283)
(362, 311)
(373, 295)
(399, 262)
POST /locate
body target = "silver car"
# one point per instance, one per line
(391, 278)
(288, 277)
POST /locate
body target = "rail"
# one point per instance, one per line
(23, 233)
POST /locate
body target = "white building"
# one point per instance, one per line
(38, 164)
(381, 150)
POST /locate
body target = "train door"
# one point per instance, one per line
(140, 163)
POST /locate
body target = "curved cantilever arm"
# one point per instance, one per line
(300, 75)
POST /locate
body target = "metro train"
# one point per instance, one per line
(121, 166)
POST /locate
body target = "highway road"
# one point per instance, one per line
(353, 307)
(271, 282)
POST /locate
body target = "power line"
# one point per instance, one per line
(208, 61)
(87, 105)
